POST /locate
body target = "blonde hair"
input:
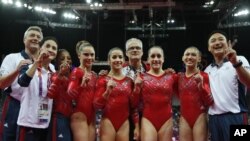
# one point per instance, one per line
(199, 65)
(82, 44)
(195, 48)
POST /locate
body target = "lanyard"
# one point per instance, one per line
(39, 69)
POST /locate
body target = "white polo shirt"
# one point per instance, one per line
(29, 111)
(9, 64)
(228, 92)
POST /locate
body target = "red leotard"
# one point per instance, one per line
(116, 106)
(58, 92)
(83, 96)
(192, 100)
(157, 94)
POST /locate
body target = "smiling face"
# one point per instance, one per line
(155, 58)
(116, 59)
(87, 56)
(63, 57)
(217, 44)
(52, 47)
(191, 57)
(31, 40)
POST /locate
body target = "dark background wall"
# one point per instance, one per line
(106, 34)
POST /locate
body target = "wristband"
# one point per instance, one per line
(238, 64)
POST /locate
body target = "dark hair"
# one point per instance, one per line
(218, 31)
(59, 53)
(48, 38)
(113, 49)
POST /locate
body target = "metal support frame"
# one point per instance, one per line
(109, 6)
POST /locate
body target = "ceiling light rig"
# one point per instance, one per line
(29, 6)
(166, 24)
(94, 4)
(43, 11)
(70, 16)
(208, 4)
(237, 16)
(170, 20)
(88, 1)
(18, 4)
(7, 2)
(241, 13)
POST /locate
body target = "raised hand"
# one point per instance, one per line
(64, 69)
(103, 72)
(111, 83)
(199, 79)
(169, 71)
(43, 55)
(23, 63)
(231, 53)
(85, 78)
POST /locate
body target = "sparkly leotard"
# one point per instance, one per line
(192, 100)
(116, 106)
(83, 96)
(157, 94)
